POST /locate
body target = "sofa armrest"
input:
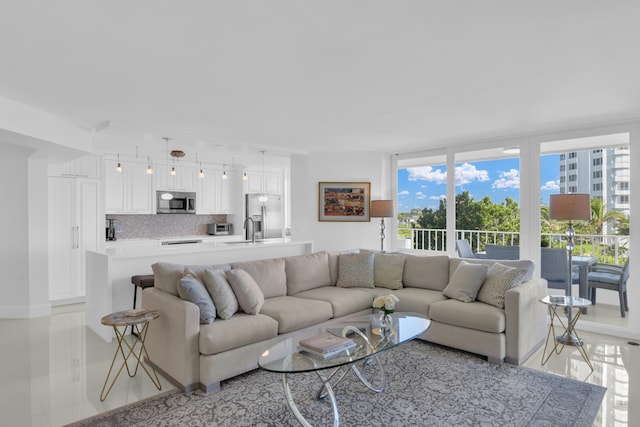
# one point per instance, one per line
(526, 319)
(173, 339)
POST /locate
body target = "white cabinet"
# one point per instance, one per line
(215, 195)
(129, 191)
(183, 180)
(75, 225)
(84, 167)
(267, 182)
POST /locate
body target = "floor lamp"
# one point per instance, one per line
(569, 207)
(381, 209)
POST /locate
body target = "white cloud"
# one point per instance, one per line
(403, 193)
(467, 173)
(510, 179)
(427, 173)
(440, 197)
(550, 186)
(420, 195)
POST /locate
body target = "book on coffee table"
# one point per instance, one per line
(330, 354)
(326, 342)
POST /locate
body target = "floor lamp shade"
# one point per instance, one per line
(381, 208)
(570, 206)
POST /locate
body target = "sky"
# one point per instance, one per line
(423, 187)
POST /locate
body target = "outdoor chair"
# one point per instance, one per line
(612, 277)
(502, 252)
(554, 267)
(463, 247)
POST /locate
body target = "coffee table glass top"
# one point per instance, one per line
(288, 357)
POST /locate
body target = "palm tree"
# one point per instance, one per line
(600, 216)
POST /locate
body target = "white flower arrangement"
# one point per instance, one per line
(386, 303)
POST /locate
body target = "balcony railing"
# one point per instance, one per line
(608, 248)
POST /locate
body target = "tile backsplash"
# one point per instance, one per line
(170, 225)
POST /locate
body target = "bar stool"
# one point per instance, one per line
(140, 281)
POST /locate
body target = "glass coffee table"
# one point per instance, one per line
(287, 358)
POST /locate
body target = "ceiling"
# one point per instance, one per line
(330, 75)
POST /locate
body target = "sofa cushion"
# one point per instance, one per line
(333, 263)
(500, 279)
(294, 313)
(526, 264)
(269, 274)
(427, 272)
(355, 270)
(417, 300)
(466, 281)
(221, 293)
(167, 274)
(246, 290)
(191, 289)
(242, 329)
(473, 315)
(306, 272)
(343, 300)
(388, 270)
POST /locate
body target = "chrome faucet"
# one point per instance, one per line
(253, 228)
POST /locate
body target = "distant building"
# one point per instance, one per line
(602, 173)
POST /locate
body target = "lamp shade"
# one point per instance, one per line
(570, 206)
(381, 208)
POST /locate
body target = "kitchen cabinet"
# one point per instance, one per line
(84, 167)
(76, 224)
(215, 195)
(129, 191)
(183, 180)
(267, 182)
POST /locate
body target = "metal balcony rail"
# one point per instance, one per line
(608, 248)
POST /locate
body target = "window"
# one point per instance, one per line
(597, 162)
(562, 168)
(561, 156)
(623, 199)
(597, 186)
(563, 179)
(596, 151)
(573, 166)
(597, 174)
(573, 189)
(573, 178)
(573, 155)
(623, 186)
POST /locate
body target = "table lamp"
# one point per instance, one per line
(570, 207)
(381, 209)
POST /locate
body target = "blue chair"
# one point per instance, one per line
(554, 267)
(502, 252)
(463, 247)
(612, 277)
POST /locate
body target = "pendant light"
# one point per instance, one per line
(119, 166)
(244, 173)
(224, 171)
(149, 170)
(201, 173)
(263, 197)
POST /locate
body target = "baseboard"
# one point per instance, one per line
(25, 312)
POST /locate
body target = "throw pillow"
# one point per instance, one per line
(388, 270)
(220, 290)
(500, 279)
(247, 291)
(466, 282)
(355, 270)
(192, 290)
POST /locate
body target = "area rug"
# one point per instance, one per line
(427, 385)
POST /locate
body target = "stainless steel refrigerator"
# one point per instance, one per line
(267, 215)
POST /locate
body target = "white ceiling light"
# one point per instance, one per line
(119, 167)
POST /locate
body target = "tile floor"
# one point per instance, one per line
(53, 370)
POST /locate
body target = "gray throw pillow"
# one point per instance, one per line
(466, 282)
(192, 290)
(355, 270)
(388, 270)
(500, 279)
(220, 290)
(247, 291)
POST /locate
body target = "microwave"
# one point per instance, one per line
(220, 229)
(175, 202)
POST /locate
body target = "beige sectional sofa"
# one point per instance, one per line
(301, 294)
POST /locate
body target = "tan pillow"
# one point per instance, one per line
(466, 282)
(500, 279)
(355, 270)
(167, 274)
(388, 270)
(269, 274)
(221, 293)
(247, 292)
(306, 272)
(427, 272)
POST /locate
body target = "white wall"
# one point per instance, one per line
(308, 170)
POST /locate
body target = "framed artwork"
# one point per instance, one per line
(344, 201)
